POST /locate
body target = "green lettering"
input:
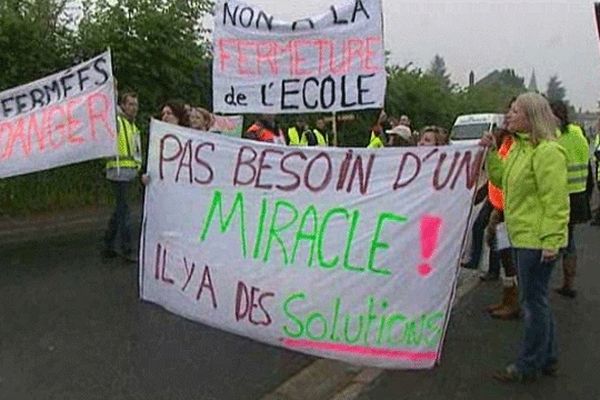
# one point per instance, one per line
(349, 339)
(291, 316)
(333, 262)
(311, 212)
(260, 228)
(309, 323)
(376, 244)
(435, 328)
(336, 316)
(275, 229)
(351, 234)
(217, 204)
(391, 321)
(371, 317)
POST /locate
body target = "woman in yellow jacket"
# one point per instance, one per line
(533, 179)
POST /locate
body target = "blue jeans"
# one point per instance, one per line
(119, 222)
(538, 348)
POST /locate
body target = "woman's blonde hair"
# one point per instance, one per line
(541, 118)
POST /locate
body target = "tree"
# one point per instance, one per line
(438, 70)
(158, 47)
(34, 40)
(555, 90)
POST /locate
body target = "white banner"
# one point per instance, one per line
(351, 254)
(62, 119)
(331, 62)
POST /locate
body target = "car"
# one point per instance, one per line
(473, 126)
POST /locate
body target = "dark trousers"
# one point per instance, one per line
(478, 233)
(538, 347)
(120, 221)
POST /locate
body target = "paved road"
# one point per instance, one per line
(477, 345)
(72, 327)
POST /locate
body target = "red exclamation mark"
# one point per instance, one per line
(430, 230)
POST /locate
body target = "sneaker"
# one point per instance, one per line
(511, 374)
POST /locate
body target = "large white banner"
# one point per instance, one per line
(331, 62)
(62, 119)
(351, 254)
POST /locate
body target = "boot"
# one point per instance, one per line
(569, 272)
(502, 304)
(511, 308)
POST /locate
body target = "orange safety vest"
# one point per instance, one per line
(494, 193)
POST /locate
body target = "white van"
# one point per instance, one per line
(472, 126)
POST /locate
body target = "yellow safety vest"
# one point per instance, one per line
(578, 157)
(293, 137)
(375, 142)
(128, 146)
(321, 138)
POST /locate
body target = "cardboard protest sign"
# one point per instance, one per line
(62, 119)
(331, 62)
(345, 253)
(228, 125)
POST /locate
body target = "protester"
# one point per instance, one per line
(265, 129)
(314, 137)
(295, 132)
(321, 127)
(173, 112)
(121, 171)
(596, 144)
(200, 119)
(378, 138)
(400, 136)
(404, 121)
(536, 209)
(500, 250)
(572, 139)
(433, 136)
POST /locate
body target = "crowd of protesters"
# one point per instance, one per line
(540, 181)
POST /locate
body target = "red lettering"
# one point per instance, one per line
(72, 123)
(266, 53)
(101, 115)
(207, 283)
(224, 55)
(264, 166)
(247, 162)
(39, 132)
(368, 67)
(284, 169)
(163, 158)
(52, 127)
(17, 133)
(241, 57)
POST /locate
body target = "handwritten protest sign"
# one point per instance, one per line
(62, 119)
(344, 253)
(228, 125)
(332, 62)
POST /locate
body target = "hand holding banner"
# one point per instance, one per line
(346, 253)
(62, 119)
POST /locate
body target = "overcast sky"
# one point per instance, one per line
(552, 37)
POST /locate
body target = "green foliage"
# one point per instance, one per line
(438, 70)
(555, 90)
(157, 48)
(34, 40)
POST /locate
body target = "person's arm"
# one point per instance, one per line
(494, 167)
(550, 170)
